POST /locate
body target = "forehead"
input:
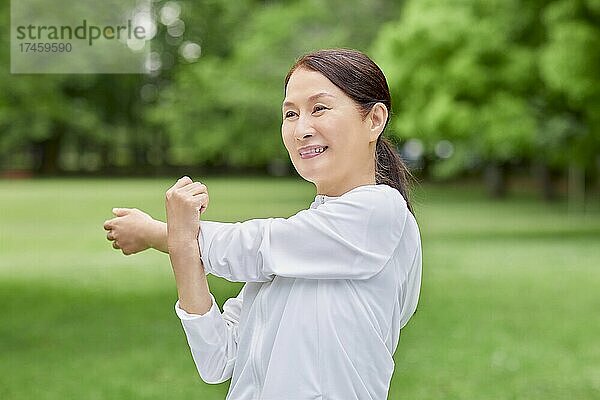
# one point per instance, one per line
(305, 85)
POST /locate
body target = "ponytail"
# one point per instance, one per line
(391, 170)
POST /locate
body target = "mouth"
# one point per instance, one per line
(313, 152)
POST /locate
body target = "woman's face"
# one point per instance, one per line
(328, 141)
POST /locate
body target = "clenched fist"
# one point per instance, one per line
(185, 201)
(130, 230)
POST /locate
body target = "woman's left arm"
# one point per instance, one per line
(351, 237)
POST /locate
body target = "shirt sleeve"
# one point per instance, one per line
(349, 237)
(213, 338)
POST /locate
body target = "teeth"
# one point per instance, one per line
(315, 150)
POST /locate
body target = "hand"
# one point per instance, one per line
(185, 201)
(129, 230)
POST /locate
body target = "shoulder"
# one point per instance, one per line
(380, 197)
(383, 214)
(374, 207)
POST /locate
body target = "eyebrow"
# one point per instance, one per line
(310, 98)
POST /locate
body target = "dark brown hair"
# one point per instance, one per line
(364, 82)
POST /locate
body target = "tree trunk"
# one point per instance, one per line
(544, 176)
(47, 152)
(495, 179)
(576, 188)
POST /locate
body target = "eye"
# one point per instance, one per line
(290, 114)
(319, 107)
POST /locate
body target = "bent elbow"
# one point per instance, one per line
(212, 380)
(216, 373)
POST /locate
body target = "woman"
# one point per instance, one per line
(327, 290)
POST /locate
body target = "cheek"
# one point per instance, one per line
(348, 147)
(334, 133)
(287, 137)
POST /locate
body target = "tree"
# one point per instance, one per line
(469, 72)
(569, 65)
(225, 110)
(53, 122)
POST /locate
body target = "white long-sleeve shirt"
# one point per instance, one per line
(328, 291)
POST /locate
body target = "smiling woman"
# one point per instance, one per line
(349, 96)
(328, 289)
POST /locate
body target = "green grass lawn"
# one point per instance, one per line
(509, 305)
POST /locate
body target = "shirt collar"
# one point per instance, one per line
(322, 198)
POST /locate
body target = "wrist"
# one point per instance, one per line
(156, 230)
(182, 231)
(183, 253)
(181, 239)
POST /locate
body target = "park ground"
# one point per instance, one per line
(509, 303)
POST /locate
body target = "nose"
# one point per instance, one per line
(304, 136)
(303, 129)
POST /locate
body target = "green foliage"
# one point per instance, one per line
(569, 65)
(490, 76)
(226, 110)
(502, 80)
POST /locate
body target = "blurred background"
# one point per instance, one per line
(495, 109)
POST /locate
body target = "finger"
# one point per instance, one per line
(112, 223)
(195, 201)
(196, 188)
(195, 185)
(110, 235)
(203, 198)
(108, 224)
(119, 212)
(202, 201)
(115, 245)
(183, 181)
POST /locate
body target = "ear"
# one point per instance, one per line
(376, 120)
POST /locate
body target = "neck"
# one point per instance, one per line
(352, 179)
(339, 188)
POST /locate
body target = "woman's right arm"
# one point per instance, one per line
(132, 231)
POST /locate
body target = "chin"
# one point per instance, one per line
(314, 172)
(309, 176)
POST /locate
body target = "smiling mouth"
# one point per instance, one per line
(313, 152)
